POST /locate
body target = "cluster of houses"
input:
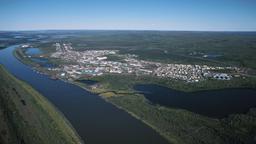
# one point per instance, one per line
(96, 63)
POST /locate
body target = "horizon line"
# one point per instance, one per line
(163, 30)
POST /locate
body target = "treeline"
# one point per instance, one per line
(184, 127)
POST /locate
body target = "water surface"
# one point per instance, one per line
(95, 120)
(43, 62)
(212, 103)
(33, 51)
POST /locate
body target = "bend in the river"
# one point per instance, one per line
(95, 120)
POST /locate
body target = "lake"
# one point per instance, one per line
(43, 62)
(95, 120)
(33, 51)
(212, 103)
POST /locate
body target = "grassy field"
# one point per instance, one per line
(28, 118)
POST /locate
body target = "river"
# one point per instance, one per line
(211, 103)
(95, 120)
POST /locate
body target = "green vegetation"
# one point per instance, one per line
(11, 38)
(184, 127)
(2, 46)
(234, 48)
(28, 118)
(176, 125)
(119, 82)
(19, 54)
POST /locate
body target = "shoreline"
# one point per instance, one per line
(180, 86)
(126, 110)
(43, 105)
(106, 99)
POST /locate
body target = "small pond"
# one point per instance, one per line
(43, 62)
(33, 51)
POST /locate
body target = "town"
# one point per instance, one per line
(96, 63)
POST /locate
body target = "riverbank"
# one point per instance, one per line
(90, 115)
(28, 117)
(176, 125)
(180, 126)
(125, 81)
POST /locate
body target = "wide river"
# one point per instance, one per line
(95, 120)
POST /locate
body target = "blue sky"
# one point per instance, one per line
(202, 15)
